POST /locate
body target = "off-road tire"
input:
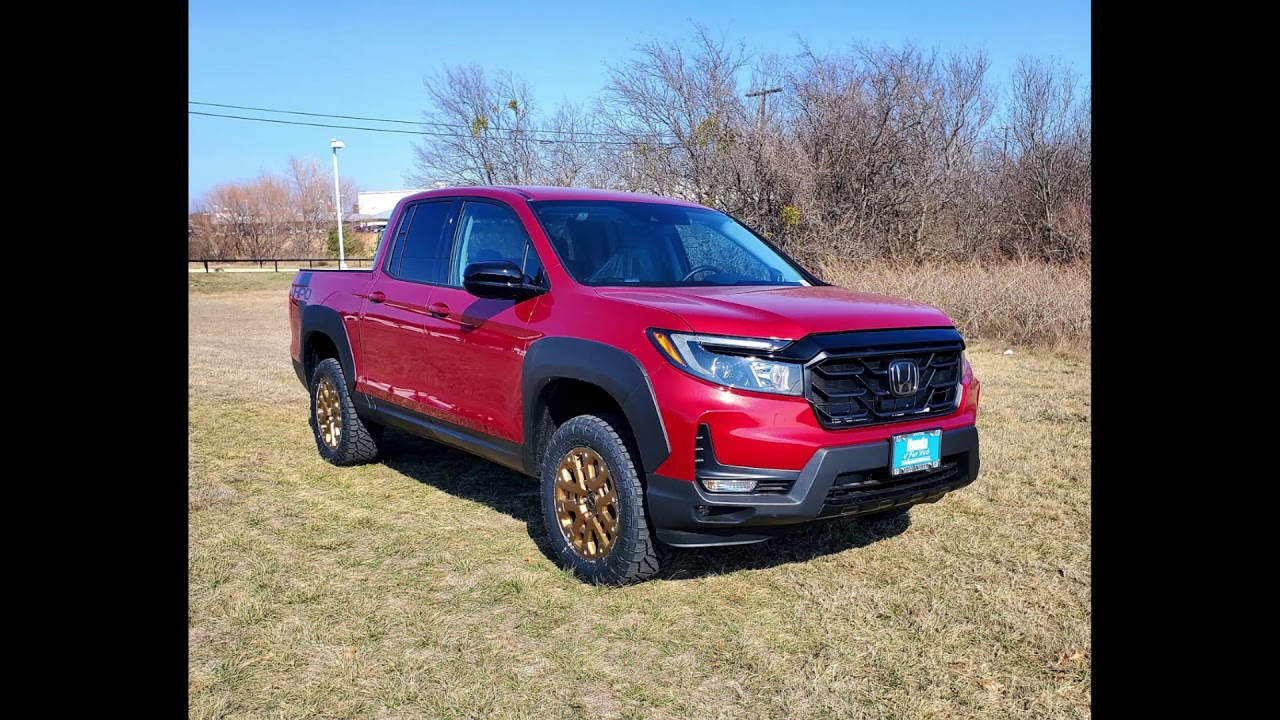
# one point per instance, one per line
(357, 443)
(635, 554)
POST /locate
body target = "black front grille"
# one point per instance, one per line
(850, 387)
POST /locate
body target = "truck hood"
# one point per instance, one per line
(781, 312)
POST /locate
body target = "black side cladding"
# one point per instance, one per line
(612, 370)
(327, 321)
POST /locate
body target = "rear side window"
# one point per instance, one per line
(421, 252)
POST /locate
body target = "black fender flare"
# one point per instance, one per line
(615, 371)
(327, 321)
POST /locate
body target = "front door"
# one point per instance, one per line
(393, 315)
(477, 346)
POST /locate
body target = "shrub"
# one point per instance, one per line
(349, 244)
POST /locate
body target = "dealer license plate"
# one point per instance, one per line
(915, 452)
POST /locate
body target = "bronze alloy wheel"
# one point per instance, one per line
(328, 413)
(586, 503)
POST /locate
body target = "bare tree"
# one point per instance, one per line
(270, 216)
(477, 130)
(1075, 218)
(202, 238)
(240, 218)
(680, 113)
(870, 152)
(571, 151)
(311, 189)
(886, 149)
(950, 107)
(1048, 129)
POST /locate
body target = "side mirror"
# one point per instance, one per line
(497, 280)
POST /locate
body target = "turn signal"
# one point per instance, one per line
(971, 395)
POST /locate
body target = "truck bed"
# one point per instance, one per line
(309, 285)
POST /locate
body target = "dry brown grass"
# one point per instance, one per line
(417, 587)
(1016, 303)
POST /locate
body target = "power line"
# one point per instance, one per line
(389, 120)
(312, 114)
(299, 122)
(543, 141)
(302, 123)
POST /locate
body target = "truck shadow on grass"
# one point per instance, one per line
(465, 476)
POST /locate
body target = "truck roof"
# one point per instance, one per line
(539, 192)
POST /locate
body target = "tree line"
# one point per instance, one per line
(271, 216)
(870, 152)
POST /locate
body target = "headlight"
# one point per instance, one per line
(730, 361)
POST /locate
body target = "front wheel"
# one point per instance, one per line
(593, 502)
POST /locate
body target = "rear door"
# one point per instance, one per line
(476, 346)
(393, 315)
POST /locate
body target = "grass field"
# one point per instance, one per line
(418, 587)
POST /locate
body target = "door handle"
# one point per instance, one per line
(438, 309)
(377, 296)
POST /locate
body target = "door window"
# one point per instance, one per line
(422, 243)
(488, 232)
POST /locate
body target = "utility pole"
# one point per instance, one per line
(762, 94)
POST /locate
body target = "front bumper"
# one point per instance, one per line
(839, 481)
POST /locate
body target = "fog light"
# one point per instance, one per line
(736, 486)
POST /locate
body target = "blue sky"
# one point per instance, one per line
(369, 58)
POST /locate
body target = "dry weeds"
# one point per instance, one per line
(1019, 304)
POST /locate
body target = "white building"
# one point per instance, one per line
(380, 201)
(373, 209)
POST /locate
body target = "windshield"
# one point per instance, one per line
(604, 243)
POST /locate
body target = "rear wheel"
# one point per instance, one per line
(593, 502)
(342, 436)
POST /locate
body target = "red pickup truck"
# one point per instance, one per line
(670, 376)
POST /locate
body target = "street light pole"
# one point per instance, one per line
(337, 144)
